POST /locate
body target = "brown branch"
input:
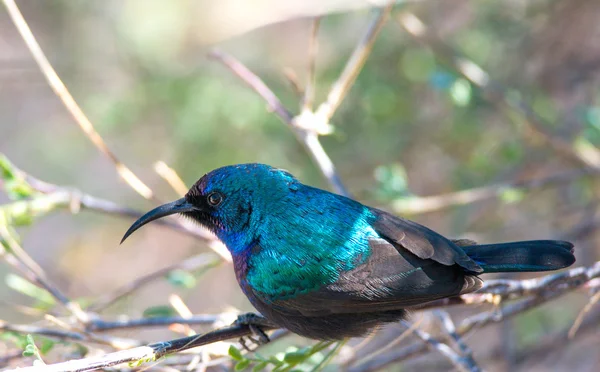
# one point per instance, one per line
(99, 325)
(55, 196)
(255, 83)
(586, 155)
(309, 139)
(313, 46)
(78, 115)
(538, 291)
(462, 363)
(67, 99)
(354, 65)
(197, 262)
(450, 328)
(69, 335)
(148, 353)
(34, 273)
(425, 204)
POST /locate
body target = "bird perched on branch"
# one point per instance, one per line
(327, 267)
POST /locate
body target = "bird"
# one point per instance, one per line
(325, 266)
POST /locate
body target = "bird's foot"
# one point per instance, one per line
(255, 322)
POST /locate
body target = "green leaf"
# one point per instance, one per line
(17, 189)
(158, 311)
(7, 168)
(181, 278)
(512, 195)
(23, 286)
(235, 353)
(296, 357)
(242, 364)
(46, 346)
(461, 92)
(30, 348)
(417, 64)
(260, 366)
(274, 360)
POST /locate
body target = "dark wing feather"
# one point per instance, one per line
(390, 279)
(421, 241)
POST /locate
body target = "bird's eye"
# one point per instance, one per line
(214, 198)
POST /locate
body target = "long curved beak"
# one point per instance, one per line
(178, 206)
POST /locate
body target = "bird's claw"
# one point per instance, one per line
(255, 323)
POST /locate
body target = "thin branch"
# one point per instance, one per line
(292, 78)
(357, 60)
(581, 316)
(425, 204)
(462, 363)
(255, 83)
(539, 291)
(450, 328)
(584, 153)
(172, 178)
(147, 353)
(313, 46)
(307, 138)
(116, 342)
(203, 260)
(67, 99)
(37, 275)
(103, 325)
(64, 197)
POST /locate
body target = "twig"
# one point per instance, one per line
(103, 325)
(203, 260)
(63, 93)
(313, 46)
(586, 154)
(425, 204)
(37, 275)
(172, 178)
(462, 363)
(147, 353)
(538, 290)
(308, 139)
(116, 342)
(255, 83)
(341, 87)
(390, 345)
(450, 328)
(63, 197)
(580, 317)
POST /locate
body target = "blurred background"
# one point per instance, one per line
(411, 126)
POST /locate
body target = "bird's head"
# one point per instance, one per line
(231, 201)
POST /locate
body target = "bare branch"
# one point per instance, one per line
(462, 363)
(309, 139)
(255, 83)
(63, 197)
(425, 204)
(580, 317)
(204, 319)
(36, 275)
(357, 60)
(67, 99)
(539, 291)
(116, 342)
(313, 46)
(583, 153)
(203, 260)
(171, 176)
(450, 328)
(147, 353)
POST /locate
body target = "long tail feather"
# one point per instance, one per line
(534, 255)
